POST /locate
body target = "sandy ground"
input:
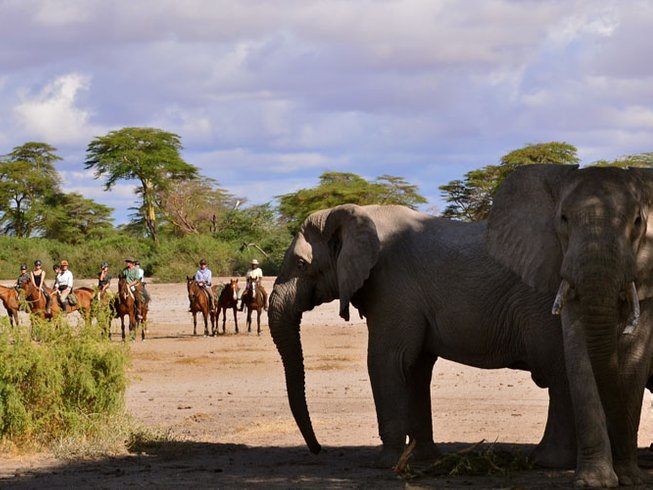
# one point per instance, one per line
(223, 399)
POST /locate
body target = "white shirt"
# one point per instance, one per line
(254, 274)
(64, 278)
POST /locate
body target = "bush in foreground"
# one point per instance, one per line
(59, 382)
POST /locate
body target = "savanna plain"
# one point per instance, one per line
(221, 404)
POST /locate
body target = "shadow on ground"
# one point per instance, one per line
(207, 465)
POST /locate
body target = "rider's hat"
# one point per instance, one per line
(103, 265)
(23, 267)
(254, 262)
(130, 259)
(203, 262)
(37, 262)
(64, 262)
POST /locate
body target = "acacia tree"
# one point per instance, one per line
(72, 218)
(471, 199)
(27, 178)
(341, 188)
(148, 155)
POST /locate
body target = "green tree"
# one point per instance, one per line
(195, 206)
(637, 160)
(337, 188)
(27, 178)
(74, 219)
(148, 155)
(471, 199)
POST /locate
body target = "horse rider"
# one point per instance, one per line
(63, 283)
(252, 279)
(141, 278)
(130, 273)
(22, 279)
(103, 279)
(203, 279)
(37, 277)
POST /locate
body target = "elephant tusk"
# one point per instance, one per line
(633, 318)
(561, 297)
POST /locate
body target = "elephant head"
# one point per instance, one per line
(587, 234)
(330, 258)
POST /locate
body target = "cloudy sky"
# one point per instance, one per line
(268, 94)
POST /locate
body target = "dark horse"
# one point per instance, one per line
(228, 299)
(199, 302)
(9, 299)
(255, 302)
(124, 304)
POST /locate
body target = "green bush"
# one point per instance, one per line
(65, 383)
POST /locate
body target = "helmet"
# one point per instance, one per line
(23, 267)
(203, 262)
(103, 265)
(64, 262)
(137, 262)
(254, 262)
(37, 262)
(56, 267)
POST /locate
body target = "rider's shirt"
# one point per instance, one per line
(203, 275)
(64, 280)
(254, 274)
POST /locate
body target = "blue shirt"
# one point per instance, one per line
(203, 275)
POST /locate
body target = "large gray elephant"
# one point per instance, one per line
(588, 233)
(428, 289)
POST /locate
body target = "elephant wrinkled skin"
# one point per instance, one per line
(588, 233)
(427, 289)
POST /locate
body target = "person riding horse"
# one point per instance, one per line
(104, 279)
(203, 278)
(63, 283)
(131, 274)
(253, 278)
(37, 276)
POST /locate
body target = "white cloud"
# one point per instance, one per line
(52, 114)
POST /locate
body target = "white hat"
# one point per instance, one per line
(254, 262)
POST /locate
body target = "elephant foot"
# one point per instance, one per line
(597, 476)
(553, 457)
(426, 452)
(388, 457)
(629, 473)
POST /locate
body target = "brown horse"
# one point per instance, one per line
(124, 305)
(36, 300)
(228, 299)
(199, 302)
(9, 299)
(255, 302)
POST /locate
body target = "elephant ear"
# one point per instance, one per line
(645, 253)
(353, 236)
(521, 232)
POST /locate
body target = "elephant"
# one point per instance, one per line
(427, 288)
(587, 233)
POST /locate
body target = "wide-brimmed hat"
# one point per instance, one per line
(254, 262)
(130, 259)
(64, 262)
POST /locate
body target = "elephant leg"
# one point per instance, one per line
(387, 368)
(557, 448)
(421, 428)
(623, 423)
(594, 461)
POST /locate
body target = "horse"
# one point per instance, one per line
(36, 299)
(228, 299)
(254, 302)
(124, 304)
(9, 299)
(199, 302)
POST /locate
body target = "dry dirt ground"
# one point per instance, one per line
(223, 400)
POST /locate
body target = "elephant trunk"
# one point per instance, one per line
(284, 328)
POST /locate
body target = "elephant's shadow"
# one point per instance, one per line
(173, 464)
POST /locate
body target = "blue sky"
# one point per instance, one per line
(267, 95)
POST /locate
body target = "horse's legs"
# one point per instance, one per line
(205, 315)
(258, 321)
(236, 316)
(249, 319)
(122, 326)
(194, 323)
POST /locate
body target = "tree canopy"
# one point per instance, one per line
(148, 155)
(471, 199)
(337, 188)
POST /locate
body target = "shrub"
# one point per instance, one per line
(65, 383)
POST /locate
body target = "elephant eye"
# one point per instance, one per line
(638, 221)
(301, 264)
(563, 219)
